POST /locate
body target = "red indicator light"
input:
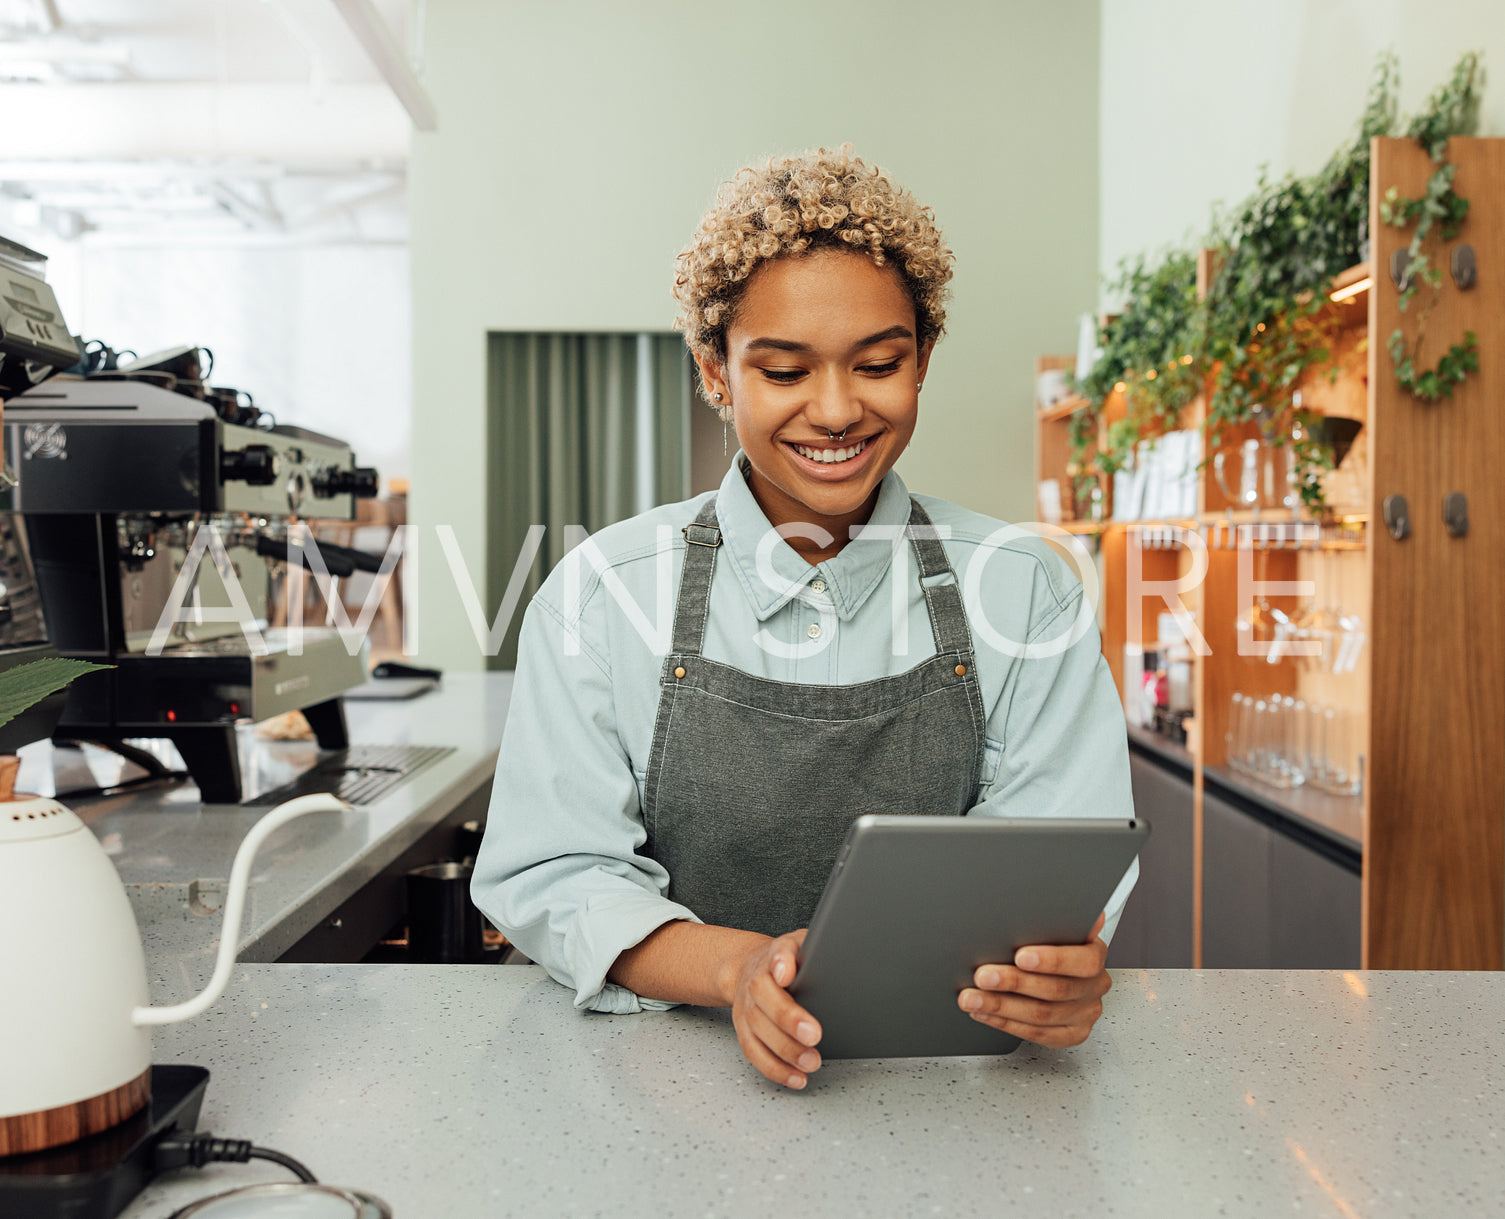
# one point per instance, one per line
(234, 708)
(172, 717)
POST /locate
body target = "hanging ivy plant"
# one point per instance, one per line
(1264, 324)
(1313, 458)
(1452, 110)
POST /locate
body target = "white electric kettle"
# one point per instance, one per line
(75, 1040)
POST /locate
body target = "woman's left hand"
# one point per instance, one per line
(1051, 994)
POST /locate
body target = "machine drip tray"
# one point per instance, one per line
(359, 774)
(96, 1178)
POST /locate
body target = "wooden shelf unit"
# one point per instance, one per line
(1053, 438)
(1430, 682)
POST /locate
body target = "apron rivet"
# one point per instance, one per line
(961, 670)
(679, 672)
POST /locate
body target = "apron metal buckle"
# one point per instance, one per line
(713, 541)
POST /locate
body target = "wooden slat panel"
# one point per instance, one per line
(1434, 850)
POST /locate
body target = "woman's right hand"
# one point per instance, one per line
(777, 1035)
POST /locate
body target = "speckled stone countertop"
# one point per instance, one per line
(172, 850)
(459, 1091)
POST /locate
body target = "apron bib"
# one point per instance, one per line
(753, 783)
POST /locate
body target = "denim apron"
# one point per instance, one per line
(753, 783)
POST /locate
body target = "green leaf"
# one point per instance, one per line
(26, 685)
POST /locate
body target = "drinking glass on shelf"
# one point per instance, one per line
(1342, 760)
(1316, 737)
(1262, 734)
(1237, 737)
(1352, 637)
(1280, 772)
(1247, 495)
(1257, 624)
(1298, 752)
(1339, 636)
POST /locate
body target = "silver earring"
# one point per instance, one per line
(718, 397)
(919, 385)
(723, 435)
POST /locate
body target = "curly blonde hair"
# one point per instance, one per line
(823, 199)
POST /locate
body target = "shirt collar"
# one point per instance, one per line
(850, 577)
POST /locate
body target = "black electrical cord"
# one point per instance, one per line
(287, 1162)
(196, 1150)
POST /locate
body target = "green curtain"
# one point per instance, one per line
(583, 429)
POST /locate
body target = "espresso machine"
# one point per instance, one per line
(162, 519)
(35, 344)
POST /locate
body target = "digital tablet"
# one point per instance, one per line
(915, 904)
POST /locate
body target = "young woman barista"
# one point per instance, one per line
(666, 813)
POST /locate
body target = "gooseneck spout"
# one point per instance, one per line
(235, 906)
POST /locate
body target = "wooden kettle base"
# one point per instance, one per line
(68, 1123)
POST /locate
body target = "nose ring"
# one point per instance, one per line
(830, 435)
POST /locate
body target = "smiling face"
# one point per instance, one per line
(821, 343)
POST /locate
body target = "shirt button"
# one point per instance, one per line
(818, 584)
(813, 630)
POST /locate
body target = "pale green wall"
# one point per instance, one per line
(580, 142)
(1196, 96)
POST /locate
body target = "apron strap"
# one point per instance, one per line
(943, 594)
(702, 540)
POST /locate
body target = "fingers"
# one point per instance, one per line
(785, 955)
(1076, 960)
(1054, 1036)
(796, 1054)
(765, 1060)
(1072, 960)
(1057, 988)
(774, 1001)
(1042, 1013)
(777, 1035)
(1051, 995)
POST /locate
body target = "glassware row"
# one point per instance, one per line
(1286, 742)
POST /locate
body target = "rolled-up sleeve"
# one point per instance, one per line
(559, 871)
(1064, 746)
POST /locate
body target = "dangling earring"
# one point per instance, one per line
(723, 438)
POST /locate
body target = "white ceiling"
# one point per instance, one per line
(223, 41)
(218, 121)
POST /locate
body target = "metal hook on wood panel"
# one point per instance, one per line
(1455, 514)
(1397, 515)
(1465, 267)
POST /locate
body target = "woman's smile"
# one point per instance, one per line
(831, 461)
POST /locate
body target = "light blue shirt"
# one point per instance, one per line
(561, 872)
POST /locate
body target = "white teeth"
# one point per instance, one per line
(831, 455)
